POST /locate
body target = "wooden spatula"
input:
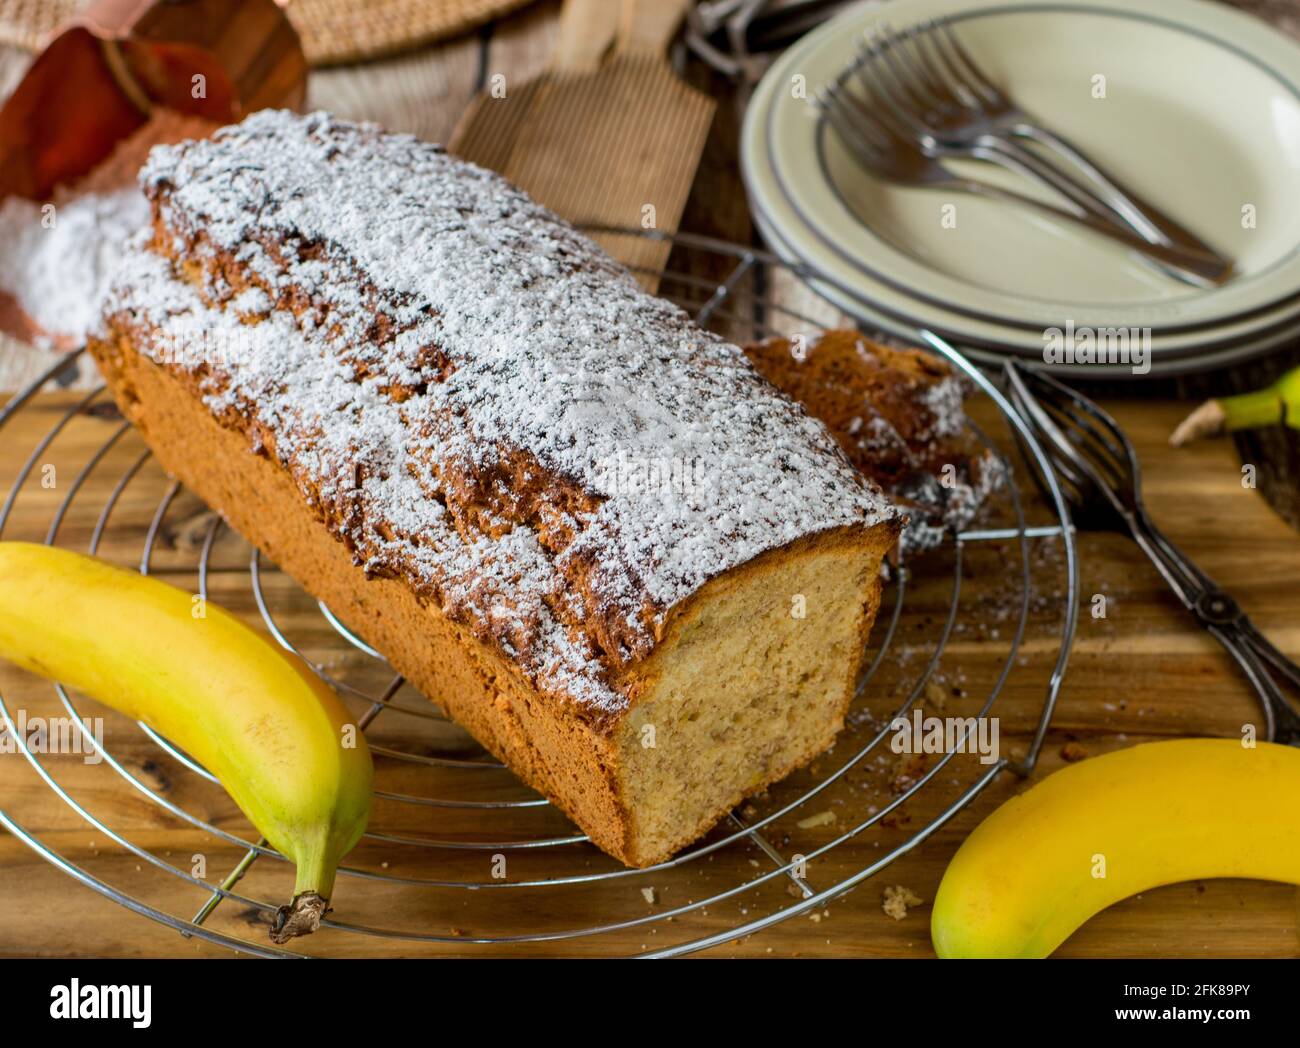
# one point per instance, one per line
(603, 141)
(487, 131)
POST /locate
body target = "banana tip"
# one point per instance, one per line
(300, 917)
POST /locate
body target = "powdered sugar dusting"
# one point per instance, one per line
(460, 371)
(346, 443)
(58, 258)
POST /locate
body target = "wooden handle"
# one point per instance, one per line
(587, 28)
(648, 26)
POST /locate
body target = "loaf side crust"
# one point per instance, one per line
(566, 758)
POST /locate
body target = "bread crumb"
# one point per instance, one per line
(935, 694)
(907, 771)
(1072, 752)
(824, 818)
(649, 895)
(897, 899)
(895, 819)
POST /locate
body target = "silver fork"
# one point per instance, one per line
(916, 101)
(940, 91)
(896, 158)
(1102, 479)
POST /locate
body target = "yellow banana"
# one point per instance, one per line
(275, 736)
(1110, 827)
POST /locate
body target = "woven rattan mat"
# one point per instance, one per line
(332, 31)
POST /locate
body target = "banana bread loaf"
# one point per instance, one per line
(635, 571)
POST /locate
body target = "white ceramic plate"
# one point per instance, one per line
(985, 341)
(1164, 365)
(1202, 113)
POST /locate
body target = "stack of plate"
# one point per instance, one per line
(1194, 105)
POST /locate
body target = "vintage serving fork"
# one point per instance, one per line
(897, 158)
(1100, 475)
(909, 93)
(928, 78)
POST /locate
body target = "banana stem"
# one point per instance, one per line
(1264, 407)
(1206, 421)
(315, 870)
(300, 917)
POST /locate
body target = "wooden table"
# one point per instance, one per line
(1144, 672)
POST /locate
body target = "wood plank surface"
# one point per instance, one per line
(1145, 671)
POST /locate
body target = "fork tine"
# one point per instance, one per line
(1024, 402)
(1116, 439)
(910, 79)
(1065, 407)
(890, 108)
(1128, 454)
(1185, 570)
(1066, 456)
(1101, 446)
(864, 121)
(1061, 391)
(1076, 482)
(1074, 487)
(903, 45)
(1089, 442)
(980, 83)
(1088, 426)
(945, 65)
(1034, 467)
(850, 131)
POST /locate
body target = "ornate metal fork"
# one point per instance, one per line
(880, 148)
(1100, 475)
(926, 81)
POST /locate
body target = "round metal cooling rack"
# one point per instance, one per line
(452, 829)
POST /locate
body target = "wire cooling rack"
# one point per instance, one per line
(460, 855)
